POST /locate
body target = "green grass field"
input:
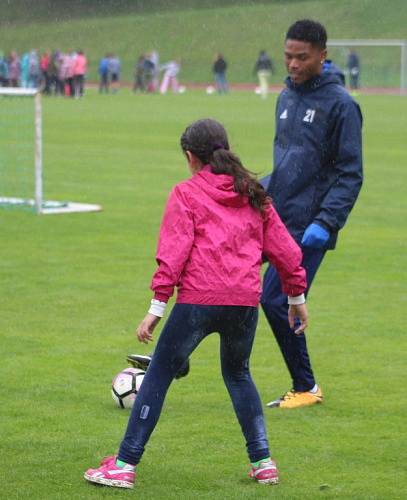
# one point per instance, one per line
(74, 287)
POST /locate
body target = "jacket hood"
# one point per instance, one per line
(333, 69)
(219, 187)
(313, 83)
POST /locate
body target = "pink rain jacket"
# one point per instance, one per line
(211, 244)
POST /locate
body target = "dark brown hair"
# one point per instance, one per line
(208, 141)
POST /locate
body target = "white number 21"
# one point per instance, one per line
(309, 116)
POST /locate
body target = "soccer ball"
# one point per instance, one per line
(182, 89)
(126, 385)
(210, 89)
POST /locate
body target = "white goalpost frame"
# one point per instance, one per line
(41, 206)
(380, 43)
(38, 152)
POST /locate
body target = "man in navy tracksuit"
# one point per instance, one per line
(316, 179)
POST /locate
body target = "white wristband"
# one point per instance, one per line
(157, 308)
(296, 301)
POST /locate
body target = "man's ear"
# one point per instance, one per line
(190, 156)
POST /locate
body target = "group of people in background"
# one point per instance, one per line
(146, 74)
(263, 69)
(63, 73)
(24, 71)
(56, 73)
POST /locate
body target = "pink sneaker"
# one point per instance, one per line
(108, 460)
(265, 473)
(109, 474)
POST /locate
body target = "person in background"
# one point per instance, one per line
(139, 75)
(34, 70)
(353, 65)
(62, 70)
(219, 71)
(3, 70)
(171, 70)
(14, 69)
(149, 71)
(114, 67)
(45, 72)
(315, 182)
(25, 69)
(263, 69)
(53, 71)
(81, 67)
(155, 59)
(69, 61)
(216, 270)
(104, 74)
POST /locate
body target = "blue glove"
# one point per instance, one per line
(265, 181)
(315, 236)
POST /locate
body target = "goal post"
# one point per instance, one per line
(38, 152)
(21, 155)
(377, 59)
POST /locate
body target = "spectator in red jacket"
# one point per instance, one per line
(80, 68)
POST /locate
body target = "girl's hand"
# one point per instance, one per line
(298, 311)
(145, 329)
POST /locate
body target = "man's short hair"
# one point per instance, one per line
(309, 31)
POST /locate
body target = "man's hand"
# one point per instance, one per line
(145, 329)
(298, 311)
(315, 236)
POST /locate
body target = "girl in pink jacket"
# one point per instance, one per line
(216, 227)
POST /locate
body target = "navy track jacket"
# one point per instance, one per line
(317, 171)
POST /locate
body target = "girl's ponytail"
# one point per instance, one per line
(207, 140)
(225, 161)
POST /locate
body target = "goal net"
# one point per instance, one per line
(383, 63)
(21, 160)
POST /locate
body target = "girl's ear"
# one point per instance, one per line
(194, 162)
